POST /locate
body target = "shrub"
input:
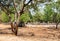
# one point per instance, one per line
(25, 18)
(4, 17)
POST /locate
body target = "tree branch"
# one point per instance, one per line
(24, 5)
(6, 8)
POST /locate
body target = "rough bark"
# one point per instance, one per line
(15, 27)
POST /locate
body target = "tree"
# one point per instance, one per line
(56, 15)
(5, 4)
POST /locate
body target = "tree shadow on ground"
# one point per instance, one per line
(26, 34)
(6, 31)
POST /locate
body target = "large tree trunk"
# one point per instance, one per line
(14, 25)
(16, 28)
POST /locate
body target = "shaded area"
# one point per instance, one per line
(5, 31)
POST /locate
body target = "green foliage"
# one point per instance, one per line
(48, 13)
(25, 18)
(12, 17)
(56, 17)
(37, 17)
(4, 17)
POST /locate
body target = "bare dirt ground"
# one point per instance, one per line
(29, 34)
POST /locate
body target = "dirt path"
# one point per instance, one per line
(29, 34)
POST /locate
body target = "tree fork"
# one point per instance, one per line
(16, 28)
(12, 27)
